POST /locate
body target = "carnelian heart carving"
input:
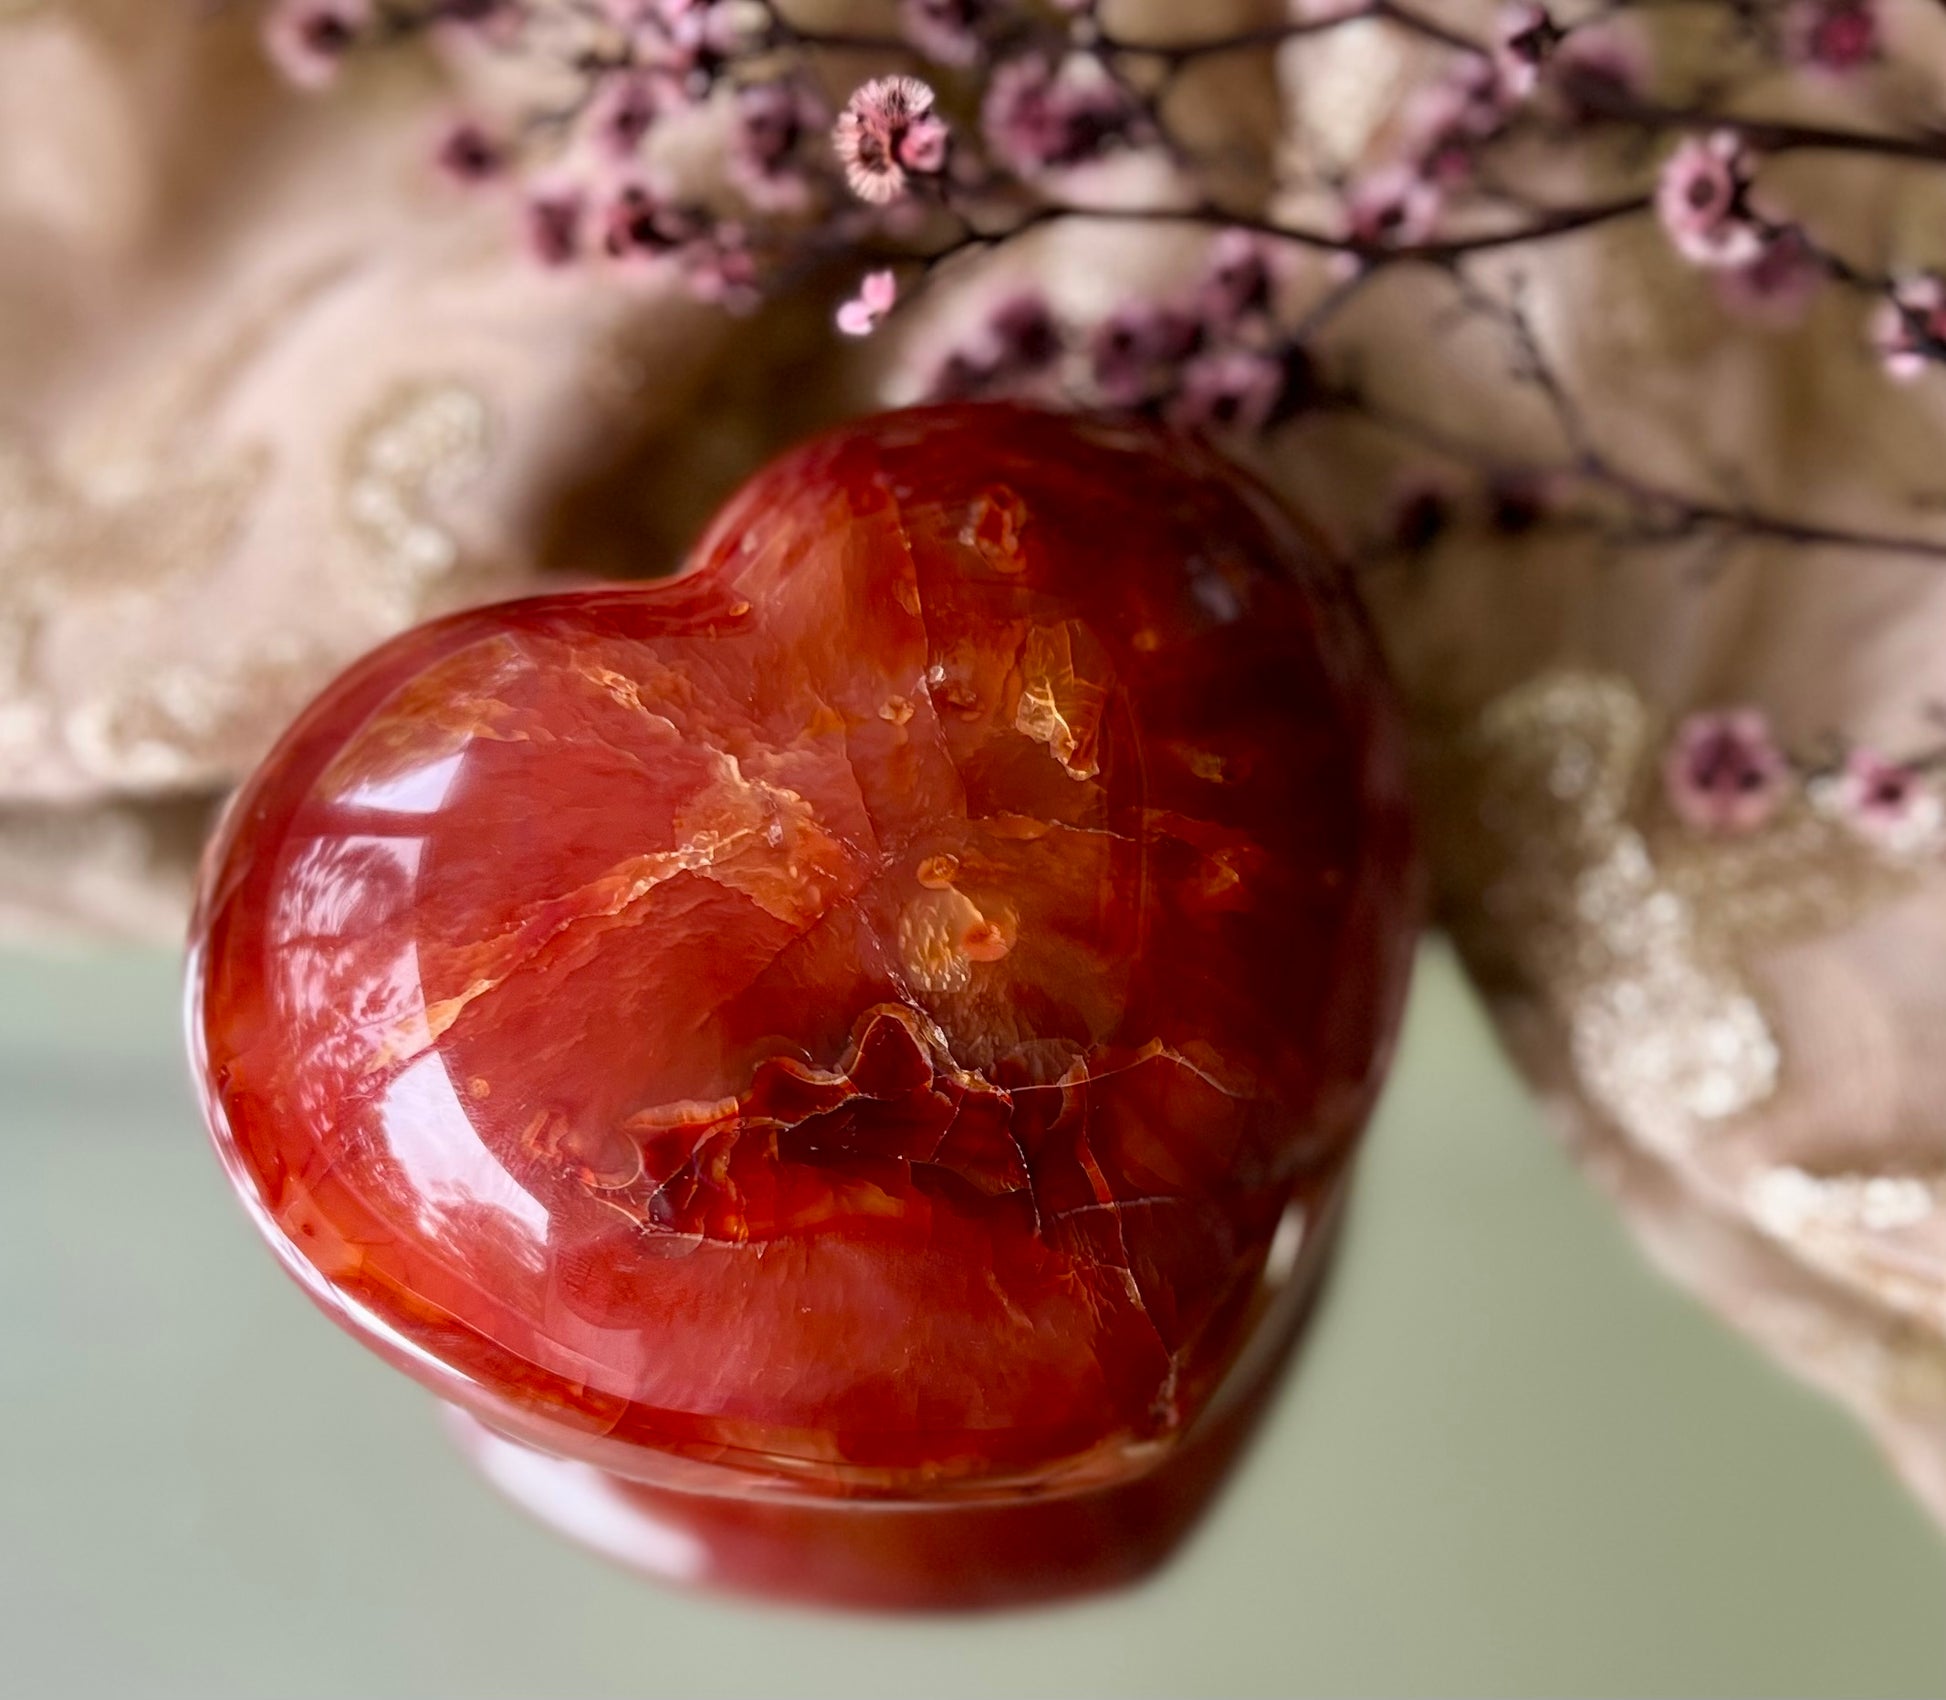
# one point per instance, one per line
(856, 1013)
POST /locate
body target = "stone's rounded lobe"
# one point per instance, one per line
(851, 1019)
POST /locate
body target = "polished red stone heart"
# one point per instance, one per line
(874, 1017)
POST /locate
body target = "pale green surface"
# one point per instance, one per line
(1510, 1461)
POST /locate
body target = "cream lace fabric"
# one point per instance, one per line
(267, 396)
(1737, 1035)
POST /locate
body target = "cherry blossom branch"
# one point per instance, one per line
(1367, 252)
(975, 124)
(1659, 515)
(987, 114)
(1763, 135)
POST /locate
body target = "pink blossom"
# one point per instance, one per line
(1018, 340)
(1596, 69)
(1038, 117)
(947, 31)
(467, 153)
(687, 39)
(639, 222)
(1240, 279)
(887, 130)
(1909, 326)
(683, 42)
(1775, 288)
(1702, 198)
(307, 40)
(1526, 38)
(1231, 389)
(1724, 772)
(924, 149)
(1885, 802)
(625, 109)
(700, 35)
(1832, 36)
(1138, 348)
(1445, 122)
(877, 293)
(552, 219)
(774, 120)
(1393, 207)
(1023, 333)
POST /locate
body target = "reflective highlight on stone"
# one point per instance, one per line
(847, 1023)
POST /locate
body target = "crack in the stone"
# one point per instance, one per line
(1153, 1051)
(723, 1130)
(877, 851)
(829, 912)
(924, 690)
(1090, 831)
(700, 855)
(1118, 1205)
(1112, 1207)
(658, 867)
